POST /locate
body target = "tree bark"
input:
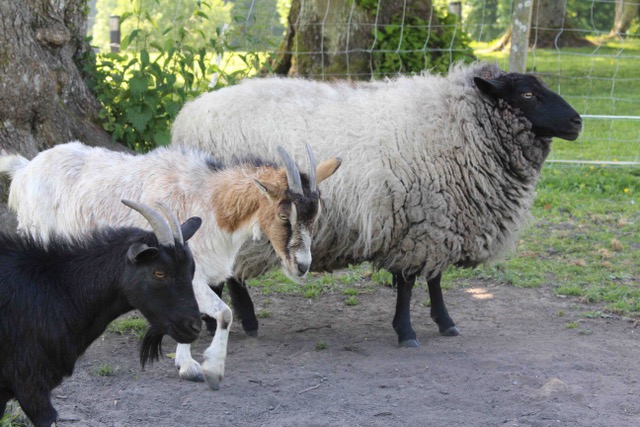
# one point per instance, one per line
(333, 38)
(626, 12)
(43, 98)
(551, 28)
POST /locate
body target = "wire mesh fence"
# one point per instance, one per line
(586, 50)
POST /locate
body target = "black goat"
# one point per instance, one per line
(56, 300)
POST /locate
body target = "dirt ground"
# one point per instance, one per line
(516, 363)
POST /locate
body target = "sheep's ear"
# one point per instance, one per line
(190, 226)
(491, 88)
(327, 168)
(139, 252)
(268, 189)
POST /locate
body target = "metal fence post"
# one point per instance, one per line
(520, 29)
(114, 33)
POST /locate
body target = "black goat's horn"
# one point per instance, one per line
(173, 222)
(158, 224)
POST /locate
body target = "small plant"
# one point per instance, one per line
(352, 300)
(321, 345)
(105, 370)
(382, 277)
(571, 325)
(14, 416)
(137, 326)
(351, 292)
(263, 314)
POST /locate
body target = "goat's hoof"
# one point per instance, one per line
(253, 333)
(410, 343)
(213, 380)
(193, 374)
(451, 331)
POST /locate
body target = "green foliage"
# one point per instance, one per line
(409, 48)
(141, 92)
(160, 20)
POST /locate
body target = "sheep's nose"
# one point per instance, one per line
(577, 121)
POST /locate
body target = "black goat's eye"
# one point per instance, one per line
(160, 274)
(527, 95)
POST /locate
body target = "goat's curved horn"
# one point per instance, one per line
(173, 222)
(293, 175)
(312, 169)
(158, 224)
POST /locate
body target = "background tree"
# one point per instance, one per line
(626, 12)
(43, 98)
(338, 38)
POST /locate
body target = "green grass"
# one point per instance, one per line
(104, 370)
(583, 240)
(136, 326)
(598, 80)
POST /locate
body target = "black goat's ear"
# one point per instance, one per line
(140, 252)
(491, 88)
(190, 226)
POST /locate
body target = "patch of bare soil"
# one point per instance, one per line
(516, 363)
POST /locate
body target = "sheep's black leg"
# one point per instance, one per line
(402, 319)
(208, 320)
(36, 404)
(439, 312)
(243, 306)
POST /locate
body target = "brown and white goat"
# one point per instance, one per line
(235, 202)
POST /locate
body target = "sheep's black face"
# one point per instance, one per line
(550, 115)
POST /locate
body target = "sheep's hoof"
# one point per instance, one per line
(193, 374)
(451, 331)
(253, 333)
(410, 343)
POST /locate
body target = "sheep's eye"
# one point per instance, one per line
(283, 217)
(527, 95)
(160, 274)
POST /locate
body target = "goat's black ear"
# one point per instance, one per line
(140, 252)
(491, 88)
(190, 226)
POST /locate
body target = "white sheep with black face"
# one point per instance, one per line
(442, 170)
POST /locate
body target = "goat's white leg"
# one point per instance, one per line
(189, 369)
(212, 368)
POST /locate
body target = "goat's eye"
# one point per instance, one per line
(160, 274)
(283, 217)
(527, 95)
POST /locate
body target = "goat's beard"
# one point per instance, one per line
(151, 347)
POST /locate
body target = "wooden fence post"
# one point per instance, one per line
(520, 29)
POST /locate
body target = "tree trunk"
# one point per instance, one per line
(550, 26)
(43, 98)
(625, 13)
(333, 38)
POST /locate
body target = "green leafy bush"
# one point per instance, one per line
(141, 91)
(416, 46)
